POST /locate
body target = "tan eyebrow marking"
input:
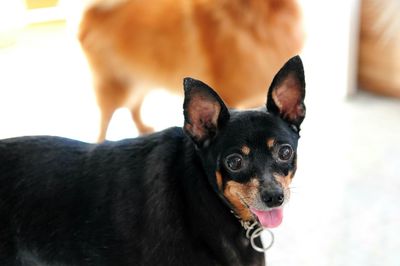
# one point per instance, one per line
(270, 143)
(246, 150)
(240, 195)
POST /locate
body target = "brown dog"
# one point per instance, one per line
(236, 46)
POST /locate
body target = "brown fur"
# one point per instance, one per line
(219, 180)
(240, 195)
(270, 143)
(285, 180)
(235, 46)
(246, 150)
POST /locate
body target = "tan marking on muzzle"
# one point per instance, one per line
(241, 196)
(284, 180)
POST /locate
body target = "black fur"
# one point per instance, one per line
(152, 200)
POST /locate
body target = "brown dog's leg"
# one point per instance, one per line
(142, 127)
(135, 108)
(105, 118)
(111, 95)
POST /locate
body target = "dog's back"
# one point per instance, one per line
(49, 184)
(71, 180)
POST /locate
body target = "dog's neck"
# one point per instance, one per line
(213, 211)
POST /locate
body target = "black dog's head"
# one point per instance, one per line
(249, 156)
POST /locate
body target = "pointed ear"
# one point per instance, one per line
(287, 91)
(204, 112)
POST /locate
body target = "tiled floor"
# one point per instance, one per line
(345, 206)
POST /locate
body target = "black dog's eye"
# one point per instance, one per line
(285, 152)
(234, 162)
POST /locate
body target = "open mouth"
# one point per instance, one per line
(270, 218)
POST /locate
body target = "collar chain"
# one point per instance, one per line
(254, 230)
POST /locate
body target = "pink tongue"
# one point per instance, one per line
(269, 219)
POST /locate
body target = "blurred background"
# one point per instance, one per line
(344, 208)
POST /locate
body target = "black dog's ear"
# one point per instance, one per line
(204, 111)
(287, 91)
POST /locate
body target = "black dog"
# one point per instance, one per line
(161, 199)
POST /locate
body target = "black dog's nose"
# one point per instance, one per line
(273, 198)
